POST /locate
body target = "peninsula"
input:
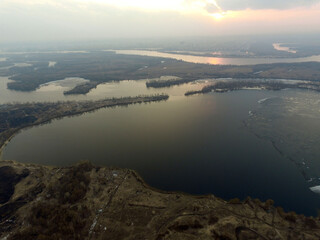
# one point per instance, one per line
(231, 85)
(14, 117)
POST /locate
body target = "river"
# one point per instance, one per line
(219, 60)
(200, 144)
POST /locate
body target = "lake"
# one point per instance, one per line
(223, 144)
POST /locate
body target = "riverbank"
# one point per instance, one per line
(274, 85)
(15, 117)
(90, 202)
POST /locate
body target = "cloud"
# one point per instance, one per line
(43, 20)
(263, 4)
(50, 20)
(212, 8)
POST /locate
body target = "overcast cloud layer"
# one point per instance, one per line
(263, 4)
(42, 20)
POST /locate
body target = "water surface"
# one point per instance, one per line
(197, 144)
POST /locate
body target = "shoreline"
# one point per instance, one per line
(2, 147)
(66, 109)
(222, 87)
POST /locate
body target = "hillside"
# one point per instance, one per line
(88, 202)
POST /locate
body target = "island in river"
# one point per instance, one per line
(82, 88)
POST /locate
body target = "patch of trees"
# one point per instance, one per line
(168, 83)
(82, 88)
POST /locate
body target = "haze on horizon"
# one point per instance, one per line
(51, 20)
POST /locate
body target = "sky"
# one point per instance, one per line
(51, 20)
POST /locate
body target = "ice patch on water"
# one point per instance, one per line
(315, 189)
(61, 84)
(264, 99)
(310, 180)
(22, 65)
(51, 64)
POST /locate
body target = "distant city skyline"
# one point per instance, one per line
(50, 20)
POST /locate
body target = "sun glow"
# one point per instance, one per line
(217, 16)
(221, 15)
